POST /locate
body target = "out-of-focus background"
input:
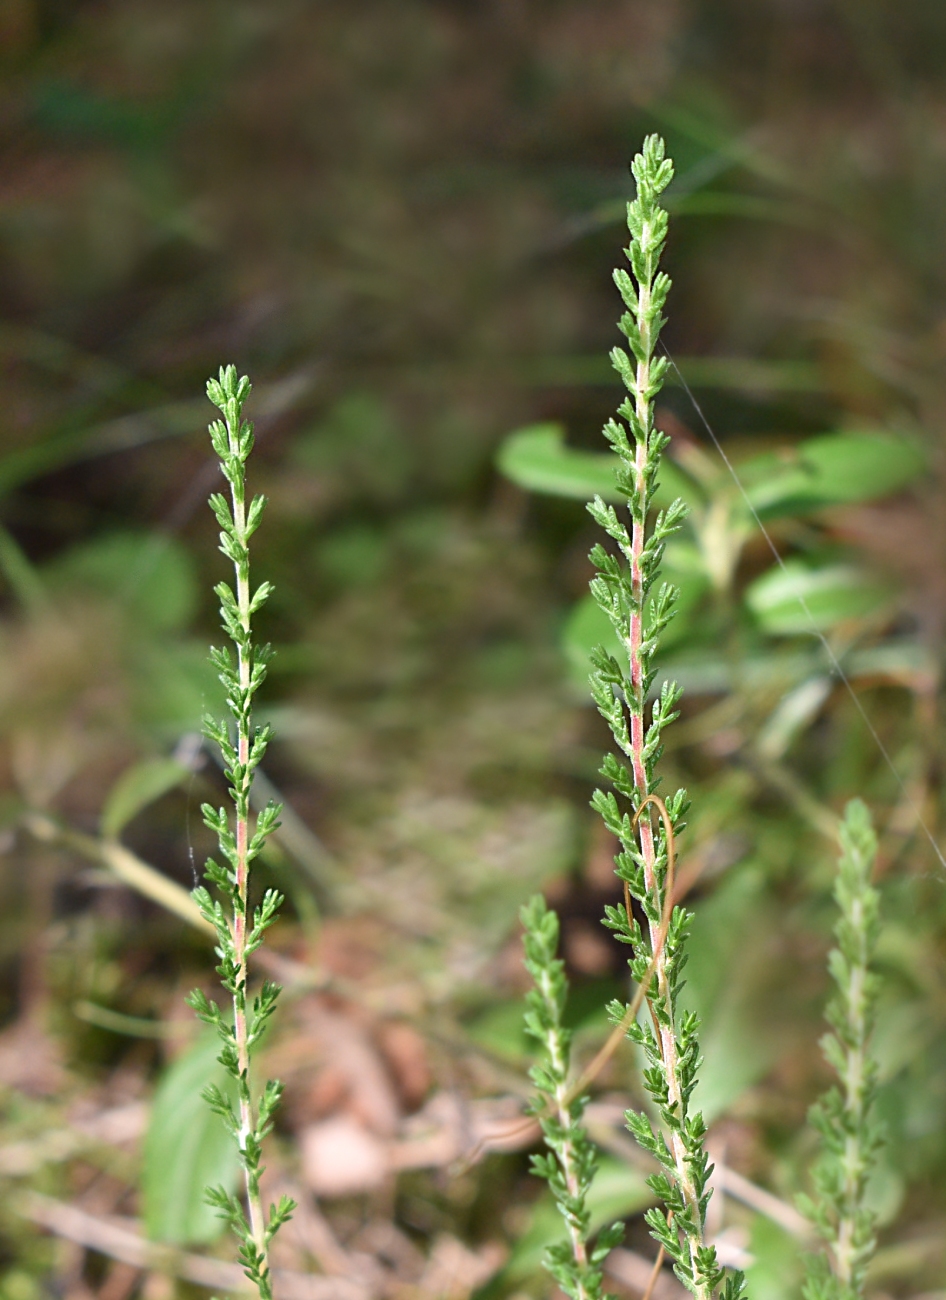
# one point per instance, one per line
(400, 220)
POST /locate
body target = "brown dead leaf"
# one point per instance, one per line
(350, 948)
(350, 1052)
(30, 1060)
(332, 1064)
(454, 1271)
(340, 1157)
(405, 1052)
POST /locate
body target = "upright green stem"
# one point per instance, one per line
(624, 589)
(570, 1163)
(568, 1156)
(638, 613)
(244, 658)
(636, 706)
(843, 1116)
(240, 932)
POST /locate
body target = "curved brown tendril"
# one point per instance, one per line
(618, 1032)
(655, 1274)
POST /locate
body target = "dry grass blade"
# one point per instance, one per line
(121, 1242)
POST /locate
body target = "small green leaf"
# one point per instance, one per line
(139, 785)
(187, 1149)
(795, 597)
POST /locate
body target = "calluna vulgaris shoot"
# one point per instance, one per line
(239, 928)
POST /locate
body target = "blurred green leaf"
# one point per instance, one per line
(728, 970)
(66, 109)
(360, 444)
(501, 1028)
(775, 1272)
(618, 1191)
(138, 786)
(174, 685)
(150, 575)
(797, 708)
(501, 1031)
(537, 459)
(795, 598)
(187, 1149)
(354, 556)
(587, 625)
(834, 469)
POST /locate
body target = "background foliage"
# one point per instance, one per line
(400, 220)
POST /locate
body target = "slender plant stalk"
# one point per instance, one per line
(624, 588)
(569, 1166)
(239, 928)
(843, 1115)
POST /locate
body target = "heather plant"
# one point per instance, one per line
(843, 1115)
(624, 589)
(649, 921)
(239, 926)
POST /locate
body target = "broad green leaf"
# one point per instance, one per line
(775, 1271)
(139, 785)
(501, 1028)
(832, 469)
(729, 985)
(537, 459)
(149, 575)
(588, 626)
(794, 597)
(174, 686)
(187, 1149)
(618, 1191)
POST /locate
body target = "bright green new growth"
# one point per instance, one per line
(239, 929)
(843, 1115)
(570, 1166)
(623, 588)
